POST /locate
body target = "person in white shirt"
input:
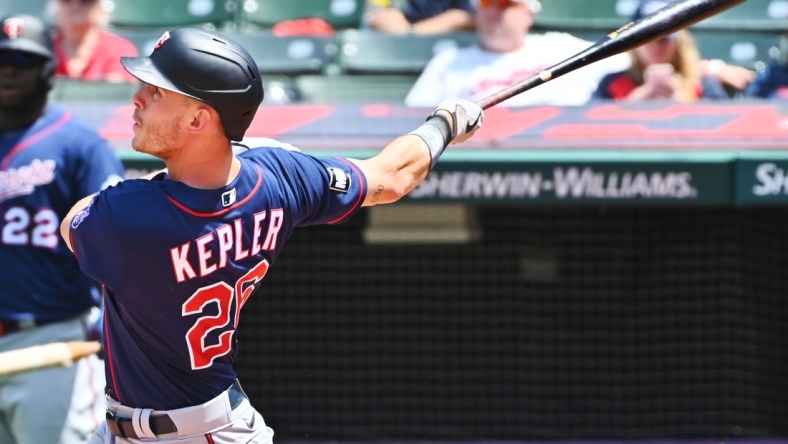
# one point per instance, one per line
(509, 53)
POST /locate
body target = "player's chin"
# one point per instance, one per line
(137, 144)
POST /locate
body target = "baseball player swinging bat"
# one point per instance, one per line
(671, 18)
(48, 355)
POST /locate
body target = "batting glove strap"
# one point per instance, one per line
(436, 133)
(468, 117)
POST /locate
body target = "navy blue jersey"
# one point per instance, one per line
(179, 263)
(618, 86)
(771, 83)
(44, 170)
(418, 10)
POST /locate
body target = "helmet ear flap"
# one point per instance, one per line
(48, 73)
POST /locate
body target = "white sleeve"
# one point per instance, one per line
(429, 88)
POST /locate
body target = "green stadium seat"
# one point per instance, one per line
(569, 15)
(287, 55)
(171, 13)
(279, 89)
(37, 8)
(353, 88)
(370, 52)
(748, 49)
(70, 90)
(606, 15)
(751, 15)
(341, 14)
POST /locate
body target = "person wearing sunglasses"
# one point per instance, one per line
(48, 161)
(85, 48)
(507, 53)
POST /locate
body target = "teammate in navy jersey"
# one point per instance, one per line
(48, 161)
(181, 251)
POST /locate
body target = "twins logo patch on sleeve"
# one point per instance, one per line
(339, 180)
(82, 214)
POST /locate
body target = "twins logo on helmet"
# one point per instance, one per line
(164, 37)
(12, 27)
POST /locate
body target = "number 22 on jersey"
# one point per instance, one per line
(202, 354)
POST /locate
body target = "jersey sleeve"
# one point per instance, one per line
(321, 190)
(95, 241)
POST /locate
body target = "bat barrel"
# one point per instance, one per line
(671, 18)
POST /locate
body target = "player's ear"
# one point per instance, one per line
(202, 118)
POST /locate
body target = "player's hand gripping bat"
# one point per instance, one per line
(47, 355)
(671, 18)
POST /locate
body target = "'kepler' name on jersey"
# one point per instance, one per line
(196, 258)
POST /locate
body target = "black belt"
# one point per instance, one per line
(162, 423)
(11, 326)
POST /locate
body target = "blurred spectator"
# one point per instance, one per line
(667, 68)
(420, 16)
(771, 83)
(734, 78)
(85, 49)
(508, 53)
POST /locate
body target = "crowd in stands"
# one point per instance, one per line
(509, 46)
(509, 51)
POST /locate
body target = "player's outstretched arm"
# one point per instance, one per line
(404, 163)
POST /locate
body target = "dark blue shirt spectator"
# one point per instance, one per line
(418, 10)
(421, 16)
(771, 83)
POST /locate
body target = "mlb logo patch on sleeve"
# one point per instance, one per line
(339, 180)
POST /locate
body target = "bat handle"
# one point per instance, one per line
(491, 100)
(512, 90)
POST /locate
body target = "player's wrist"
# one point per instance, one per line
(436, 132)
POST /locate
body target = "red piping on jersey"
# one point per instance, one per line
(220, 212)
(110, 361)
(33, 138)
(361, 195)
(210, 439)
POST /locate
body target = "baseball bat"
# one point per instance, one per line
(671, 18)
(47, 355)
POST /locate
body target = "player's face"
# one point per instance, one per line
(502, 27)
(20, 81)
(159, 119)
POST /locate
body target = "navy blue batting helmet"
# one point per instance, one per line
(208, 67)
